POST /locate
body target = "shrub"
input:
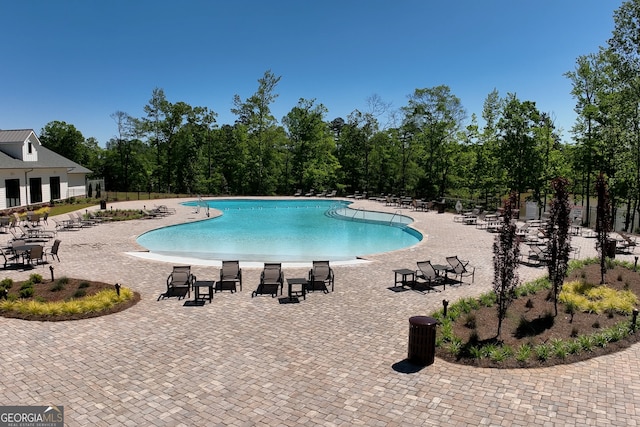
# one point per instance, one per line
(26, 292)
(79, 293)
(476, 352)
(574, 347)
(523, 353)
(35, 278)
(6, 283)
(470, 321)
(586, 342)
(542, 351)
(83, 285)
(57, 287)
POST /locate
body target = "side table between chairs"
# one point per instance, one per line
(297, 281)
(405, 277)
(198, 295)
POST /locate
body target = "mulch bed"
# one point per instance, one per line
(535, 309)
(45, 291)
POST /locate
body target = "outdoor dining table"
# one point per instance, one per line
(23, 250)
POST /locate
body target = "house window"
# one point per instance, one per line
(13, 192)
(30, 147)
(54, 185)
(35, 190)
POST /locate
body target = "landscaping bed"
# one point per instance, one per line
(64, 299)
(530, 322)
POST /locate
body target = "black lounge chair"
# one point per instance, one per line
(461, 269)
(320, 277)
(426, 275)
(271, 280)
(230, 276)
(179, 283)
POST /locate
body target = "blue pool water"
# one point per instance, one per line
(283, 230)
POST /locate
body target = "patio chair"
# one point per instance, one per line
(271, 280)
(8, 257)
(36, 255)
(179, 282)
(53, 250)
(537, 255)
(461, 269)
(628, 243)
(320, 277)
(230, 276)
(427, 275)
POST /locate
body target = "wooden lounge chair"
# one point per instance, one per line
(320, 277)
(461, 269)
(230, 277)
(271, 280)
(179, 282)
(426, 275)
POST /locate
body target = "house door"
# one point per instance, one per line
(35, 190)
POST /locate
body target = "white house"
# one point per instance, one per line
(31, 174)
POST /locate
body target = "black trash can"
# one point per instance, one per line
(103, 204)
(422, 340)
(610, 251)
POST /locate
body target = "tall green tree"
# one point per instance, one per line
(255, 114)
(64, 139)
(589, 81)
(433, 119)
(518, 145)
(624, 46)
(311, 144)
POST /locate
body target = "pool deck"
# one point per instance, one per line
(333, 359)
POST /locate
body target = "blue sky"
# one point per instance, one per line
(79, 61)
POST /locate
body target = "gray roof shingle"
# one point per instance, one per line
(47, 159)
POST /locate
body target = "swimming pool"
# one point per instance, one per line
(283, 230)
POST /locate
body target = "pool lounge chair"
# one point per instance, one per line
(426, 275)
(320, 277)
(230, 277)
(179, 282)
(461, 269)
(271, 280)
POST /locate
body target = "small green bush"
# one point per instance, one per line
(26, 292)
(6, 283)
(35, 278)
(57, 287)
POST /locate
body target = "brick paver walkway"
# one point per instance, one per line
(334, 359)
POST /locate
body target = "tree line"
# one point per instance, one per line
(425, 149)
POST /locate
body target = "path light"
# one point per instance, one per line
(117, 286)
(445, 303)
(635, 264)
(51, 270)
(633, 320)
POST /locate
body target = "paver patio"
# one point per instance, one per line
(334, 359)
